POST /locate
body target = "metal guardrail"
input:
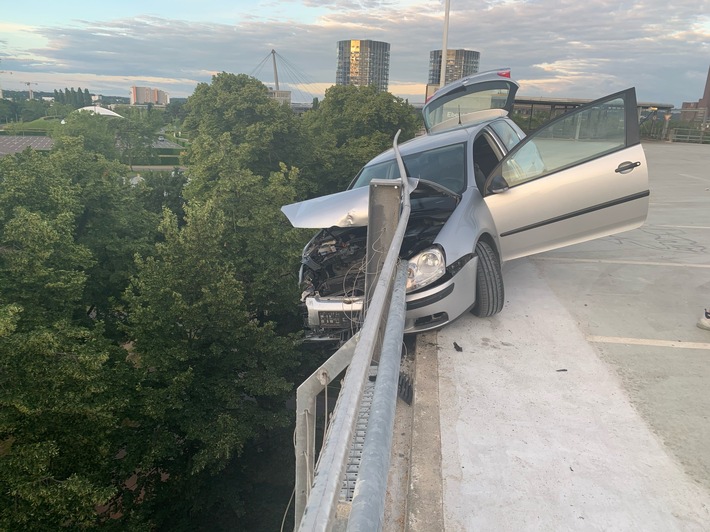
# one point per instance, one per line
(695, 136)
(318, 486)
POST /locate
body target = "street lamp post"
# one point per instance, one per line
(444, 47)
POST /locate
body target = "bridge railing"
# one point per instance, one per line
(690, 135)
(318, 485)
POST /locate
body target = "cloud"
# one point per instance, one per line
(561, 48)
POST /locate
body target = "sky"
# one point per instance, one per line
(555, 48)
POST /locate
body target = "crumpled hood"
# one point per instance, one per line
(349, 208)
(342, 209)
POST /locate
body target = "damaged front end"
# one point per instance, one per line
(332, 280)
(332, 275)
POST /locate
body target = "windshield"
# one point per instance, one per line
(445, 166)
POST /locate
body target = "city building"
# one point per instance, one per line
(146, 95)
(459, 63)
(363, 63)
(698, 111)
(280, 96)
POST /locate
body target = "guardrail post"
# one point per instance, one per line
(383, 215)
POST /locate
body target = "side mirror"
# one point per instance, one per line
(498, 184)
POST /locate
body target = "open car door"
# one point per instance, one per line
(579, 177)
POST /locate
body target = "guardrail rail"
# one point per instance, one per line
(318, 504)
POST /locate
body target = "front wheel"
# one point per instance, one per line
(490, 294)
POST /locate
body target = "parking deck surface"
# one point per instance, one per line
(585, 404)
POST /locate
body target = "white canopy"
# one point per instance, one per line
(97, 109)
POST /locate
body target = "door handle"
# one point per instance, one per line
(626, 166)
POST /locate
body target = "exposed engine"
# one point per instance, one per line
(333, 263)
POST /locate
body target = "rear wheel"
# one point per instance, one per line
(490, 294)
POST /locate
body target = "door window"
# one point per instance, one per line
(508, 136)
(571, 139)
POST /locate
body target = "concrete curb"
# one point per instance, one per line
(425, 499)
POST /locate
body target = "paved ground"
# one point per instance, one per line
(583, 405)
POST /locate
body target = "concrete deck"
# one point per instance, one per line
(585, 404)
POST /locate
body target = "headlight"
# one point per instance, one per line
(425, 268)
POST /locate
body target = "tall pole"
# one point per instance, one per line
(444, 47)
(276, 73)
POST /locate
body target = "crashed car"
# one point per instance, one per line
(485, 194)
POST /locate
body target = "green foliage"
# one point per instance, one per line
(262, 244)
(213, 376)
(98, 133)
(32, 110)
(9, 111)
(73, 98)
(158, 190)
(135, 135)
(234, 118)
(347, 129)
(59, 412)
(59, 110)
(149, 328)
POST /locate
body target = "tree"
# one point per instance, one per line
(59, 110)
(32, 110)
(262, 245)
(9, 111)
(212, 377)
(98, 133)
(235, 117)
(111, 222)
(135, 136)
(175, 112)
(163, 190)
(348, 128)
(59, 410)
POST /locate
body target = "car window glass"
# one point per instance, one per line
(576, 137)
(386, 170)
(445, 166)
(506, 134)
(460, 108)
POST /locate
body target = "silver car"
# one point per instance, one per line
(485, 194)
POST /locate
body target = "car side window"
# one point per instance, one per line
(386, 170)
(505, 133)
(445, 166)
(572, 139)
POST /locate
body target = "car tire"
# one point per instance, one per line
(490, 294)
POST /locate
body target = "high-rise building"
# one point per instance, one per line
(698, 111)
(363, 63)
(146, 95)
(459, 64)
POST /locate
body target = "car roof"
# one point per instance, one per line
(428, 142)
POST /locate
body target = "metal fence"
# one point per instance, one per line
(318, 485)
(695, 136)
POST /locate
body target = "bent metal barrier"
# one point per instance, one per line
(318, 485)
